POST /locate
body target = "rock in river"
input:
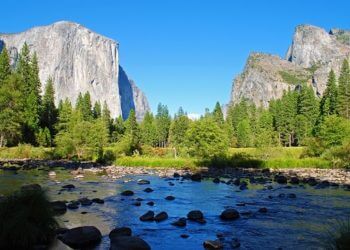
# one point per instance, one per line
(120, 231)
(180, 222)
(58, 207)
(127, 193)
(82, 237)
(129, 243)
(68, 186)
(213, 244)
(98, 201)
(148, 190)
(281, 179)
(229, 214)
(196, 177)
(149, 216)
(161, 216)
(85, 201)
(196, 215)
(170, 198)
(143, 182)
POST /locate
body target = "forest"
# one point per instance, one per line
(86, 131)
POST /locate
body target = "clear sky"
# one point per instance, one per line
(183, 52)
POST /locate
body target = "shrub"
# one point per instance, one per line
(26, 220)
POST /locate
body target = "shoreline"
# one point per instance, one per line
(331, 175)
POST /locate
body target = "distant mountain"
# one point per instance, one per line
(313, 53)
(80, 60)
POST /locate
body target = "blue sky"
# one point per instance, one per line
(184, 52)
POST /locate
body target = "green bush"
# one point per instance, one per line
(26, 220)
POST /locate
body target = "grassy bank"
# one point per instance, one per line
(156, 162)
(277, 157)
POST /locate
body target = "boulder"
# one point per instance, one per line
(161, 216)
(82, 237)
(184, 236)
(129, 243)
(213, 244)
(281, 179)
(196, 177)
(98, 201)
(176, 175)
(229, 214)
(127, 193)
(68, 186)
(195, 215)
(58, 207)
(293, 196)
(180, 222)
(170, 198)
(149, 216)
(150, 203)
(120, 231)
(294, 180)
(263, 210)
(148, 190)
(143, 182)
(73, 205)
(85, 201)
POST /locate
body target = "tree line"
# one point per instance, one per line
(298, 118)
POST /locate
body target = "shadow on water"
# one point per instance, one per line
(239, 160)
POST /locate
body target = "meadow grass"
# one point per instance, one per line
(26, 151)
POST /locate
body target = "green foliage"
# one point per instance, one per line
(334, 130)
(329, 101)
(178, 130)
(26, 220)
(293, 78)
(81, 137)
(44, 138)
(5, 68)
(163, 121)
(344, 91)
(25, 151)
(156, 162)
(148, 130)
(49, 112)
(97, 110)
(205, 139)
(217, 114)
(11, 110)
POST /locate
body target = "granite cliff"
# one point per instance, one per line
(80, 60)
(312, 54)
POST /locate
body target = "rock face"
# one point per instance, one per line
(80, 60)
(313, 53)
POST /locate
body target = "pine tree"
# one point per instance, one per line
(85, 106)
(163, 121)
(29, 71)
(49, 111)
(65, 111)
(96, 111)
(11, 110)
(307, 113)
(329, 101)
(244, 134)
(344, 91)
(5, 68)
(132, 132)
(178, 129)
(218, 115)
(106, 117)
(148, 130)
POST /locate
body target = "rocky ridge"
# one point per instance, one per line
(313, 53)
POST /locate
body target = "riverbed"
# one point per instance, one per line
(298, 216)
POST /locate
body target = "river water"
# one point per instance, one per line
(303, 222)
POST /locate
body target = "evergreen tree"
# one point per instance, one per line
(80, 102)
(307, 113)
(5, 68)
(163, 121)
(97, 111)
(329, 101)
(86, 109)
(264, 135)
(106, 118)
(65, 111)
(132, 132)
(344, 91)
(11, 110)
(29, 71)
(49, 111)
(244, 134)
(178, 130)
(118, 129)
(217, 114)
(148, 130)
